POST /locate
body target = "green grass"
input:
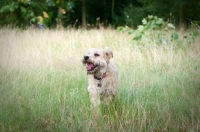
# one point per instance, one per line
(43, 85)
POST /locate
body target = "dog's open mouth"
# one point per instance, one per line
(90, 66)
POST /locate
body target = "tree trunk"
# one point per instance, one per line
(83, 14)
(104, 4)
(113, 8)
(105, 10)
(181, 18)
(59, 16)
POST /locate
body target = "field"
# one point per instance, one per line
(43, 84)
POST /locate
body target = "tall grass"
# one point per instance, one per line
(43, 85)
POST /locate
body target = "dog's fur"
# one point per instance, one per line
(102, 75)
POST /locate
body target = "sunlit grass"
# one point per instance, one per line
(43, 84)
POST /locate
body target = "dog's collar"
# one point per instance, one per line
(100, 78)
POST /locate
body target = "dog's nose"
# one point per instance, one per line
(86, 57)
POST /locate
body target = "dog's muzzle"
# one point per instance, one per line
(86, 58)
(90, 67)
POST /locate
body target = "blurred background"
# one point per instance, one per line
(96, 13)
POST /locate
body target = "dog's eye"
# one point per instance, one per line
(96, 54)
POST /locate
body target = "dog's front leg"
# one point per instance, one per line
(95, 99)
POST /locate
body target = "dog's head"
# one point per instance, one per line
(96, 60)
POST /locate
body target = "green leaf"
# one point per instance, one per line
(150, 17)
(170, 25)
(166, 29)
(174, 36)
(23, 9)
(144, 21)
(11, 9)
(31, 13)
(131, 31)
(155, 17)
(33, 20)
(138, 36)
(159, 21)
(140, 28)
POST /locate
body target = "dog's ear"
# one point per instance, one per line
(108, 54)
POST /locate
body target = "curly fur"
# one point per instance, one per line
(101, 72)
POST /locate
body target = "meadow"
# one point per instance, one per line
(43, 84)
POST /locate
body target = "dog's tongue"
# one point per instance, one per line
(89, 67)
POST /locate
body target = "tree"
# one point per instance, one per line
(113, 8)
(121, 12)
(20, 13)
(83, 14)
(182, 11)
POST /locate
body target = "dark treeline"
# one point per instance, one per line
(96, 13)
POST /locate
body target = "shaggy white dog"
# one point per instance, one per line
(102, 75)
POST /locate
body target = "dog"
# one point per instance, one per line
(102, 75)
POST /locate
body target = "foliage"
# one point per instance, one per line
(149, 24)
(125, 12)
(192, 33)
(183, 11)
(155, 31)
(124, 29)
(134, 13)
(152, 23)
(23, 13)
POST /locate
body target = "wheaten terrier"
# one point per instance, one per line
(102, 75)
